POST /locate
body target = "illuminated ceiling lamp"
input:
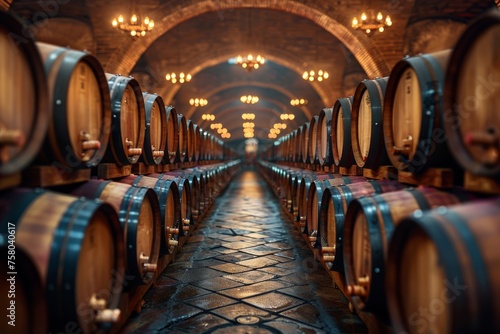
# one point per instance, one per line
(285, 117)
(198, 102)
(181, 77)
(298, 102)
(250, 99)
(315, 76)
(371, 21)
(250, 62)
(134, 26)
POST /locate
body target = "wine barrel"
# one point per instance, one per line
(197, 143)
(304, 145)
(190, 141)
(155, 134)
(334, 204)
(24, 106)
(172, 136)
(314, 197)
(128, 122)
(442, 270)
(78, 249)
(413, 113)
(168, 199)
(28, 314)
(471, 99)
(78, 131)
(366, 124)
(185, 200)
(368, 226)
(341, 137)
(325, 157)
(183, 139)
(313, 140)
(194, 186)
(298, 145)
(139, 214)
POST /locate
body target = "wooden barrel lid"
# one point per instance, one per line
(325, 157)
(155, 136)
(341, 136)
(172, 135)
(24, 109)
(183, 139)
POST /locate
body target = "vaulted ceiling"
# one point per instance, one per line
(200, 36)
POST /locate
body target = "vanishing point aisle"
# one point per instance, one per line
(246, 269)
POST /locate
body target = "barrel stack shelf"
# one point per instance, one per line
(101, 182)
(427, 207)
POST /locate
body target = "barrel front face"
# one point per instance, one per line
(313, 140)
(341, 137)
(79, 96)
(24, 109)
(172, 135)
(155, 137)
(129, 120)
(190, 141)
(183, 140)
(305, 143)
(324, 137)
(471, 98)
(172, 217)
(406, 117)
(364, 126)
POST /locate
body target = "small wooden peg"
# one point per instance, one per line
(12, 138)
(88, 145)
(134, 151)
(172, 230)
(107, 315)
(158, 154)
(172, 242)
(326, 249)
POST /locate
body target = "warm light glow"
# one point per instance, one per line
(298, 102)
(250, 99)
(181, 77)
(198, 102)
(248, 116)
(312, 75)
(250, 62)
(371, 21)
(134, 26)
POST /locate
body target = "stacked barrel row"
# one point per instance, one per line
(75, 253)
(421, 259)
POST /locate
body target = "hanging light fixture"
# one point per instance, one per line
(248, 116)
(250, 99)
(285, 117)
(298, 102)
(250, 62)
(313, 75)
(208, 117)
(181, 77)
(134, 26)
(197, 102)
(371, 21)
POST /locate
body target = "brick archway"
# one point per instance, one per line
(178, 11)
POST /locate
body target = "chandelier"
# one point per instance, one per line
(215, 126)
(285, 117)
(249, 99)
(248, 116)
(298, 102)
(312, 75)
(181, 77)
(208, 117)
(197, 102)
(371, 21)
(134, 26)
(249, 62)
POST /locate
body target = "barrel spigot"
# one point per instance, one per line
(102, 313)
(146, 266)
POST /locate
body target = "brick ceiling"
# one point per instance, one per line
(199, 36)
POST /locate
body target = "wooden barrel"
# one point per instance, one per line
(23, 299)
(185, 200)
(172, 135)
(139, 214)
(325, 157)
(413, 113)
(183, 139)
(78, 249)
(368, 226)
(314, 197)
(298, 145)
(334, 204)
(194, 186)
(155, 134)
(197, 143)
(128, 122)
(190, 141)
(304, 145)
(201, 180)
(313, 140)
(79, 128)
(367, 138)
(443, 270)
(471, 98)
(341, 137)
(303, 184)
(170, 213)
(25, 113)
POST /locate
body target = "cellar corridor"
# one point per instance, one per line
(245, 269)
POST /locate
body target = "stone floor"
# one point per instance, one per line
(245, 269)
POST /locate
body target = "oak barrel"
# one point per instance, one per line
(367, 137)
(313, 140)
(341, 136)
(24, 106)
(128, 122)
(168, 199)
(79, 128)
(471, 97)
(443, 270)
(182, 153)
(325, 157)
(413, 113)
(23, 299)
(333, 207)
(304, 144)
(155, 134)
(197, 143)
(368, 226)
(172, 135)
(139, 215)
(77, 246)
(302, 191)
(190, 141)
